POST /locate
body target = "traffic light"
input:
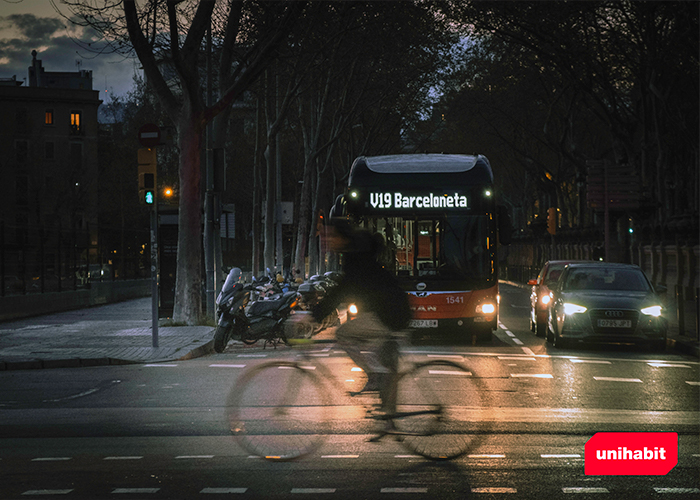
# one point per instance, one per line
(320, 222)
(147, 175)
(552, 221)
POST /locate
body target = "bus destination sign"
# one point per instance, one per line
(428, 201)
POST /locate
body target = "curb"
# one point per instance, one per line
(689, 347)
(200, 351)
(38, 364)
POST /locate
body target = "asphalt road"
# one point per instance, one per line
(159, 430)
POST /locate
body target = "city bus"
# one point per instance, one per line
(439, 217)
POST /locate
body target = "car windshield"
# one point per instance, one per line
(553, 274)
(605, 279)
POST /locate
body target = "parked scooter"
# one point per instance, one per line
(239, 318)
(312, 291)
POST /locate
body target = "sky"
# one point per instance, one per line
(27, 25)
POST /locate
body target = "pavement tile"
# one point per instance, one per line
(112, 334)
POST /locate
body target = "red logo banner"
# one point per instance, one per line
(631, 453)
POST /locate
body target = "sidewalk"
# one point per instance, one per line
(675, 341)
(106, 335)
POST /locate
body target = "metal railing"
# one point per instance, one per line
(41, 259)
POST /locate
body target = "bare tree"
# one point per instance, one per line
(168, 39)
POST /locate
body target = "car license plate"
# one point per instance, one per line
(423, 323)
(615, 323)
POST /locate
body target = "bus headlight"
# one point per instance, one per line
(486, 308)
(545, 299)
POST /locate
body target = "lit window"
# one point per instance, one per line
(48, 117)
(75, 120)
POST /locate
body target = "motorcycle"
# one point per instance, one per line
(240, 318)
(311, 292)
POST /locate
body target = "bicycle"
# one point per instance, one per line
(281, 410)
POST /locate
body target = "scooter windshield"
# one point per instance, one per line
(233, 277)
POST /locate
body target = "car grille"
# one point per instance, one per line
(614, 326)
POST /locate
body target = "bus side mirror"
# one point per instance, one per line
(505, 226)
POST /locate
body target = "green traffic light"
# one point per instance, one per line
(150, 197)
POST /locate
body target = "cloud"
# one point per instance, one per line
(58, 48)
(35, 28)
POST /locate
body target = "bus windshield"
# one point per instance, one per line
(438, 248)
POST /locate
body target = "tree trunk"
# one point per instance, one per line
(270, 204)
(188, 283)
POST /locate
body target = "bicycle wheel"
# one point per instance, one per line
(437, 410)
(278, 411)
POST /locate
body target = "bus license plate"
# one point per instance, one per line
(423, 323)
(615, 323)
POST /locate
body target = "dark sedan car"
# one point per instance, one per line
(539, 298)
(605, 303)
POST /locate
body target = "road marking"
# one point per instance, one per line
(224, 491)
(122, 458)
(312, 491)
(486, 456)
(340, 456)
(677, 490)
(510, 334)
(159, 365)
(692, 383)
(404, 490)
(667, 365)
(185, 457)
(518, 341)
(136, 490)
(74, 396)
(531, 375)
(407, 456)
(566, 455)
(252, 356)
(595, 361)
(226, 366)
(46, 492)
(51, 459)
(448, 372)
(451, 356)
(517, 358)
(494, 490)
(585, 490)
(294, 367)
(528, 351)
(615, 379)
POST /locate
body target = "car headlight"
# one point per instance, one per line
(652, 311)
(570, 309)
(352, 309)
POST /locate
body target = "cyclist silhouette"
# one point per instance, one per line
(382, 304)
